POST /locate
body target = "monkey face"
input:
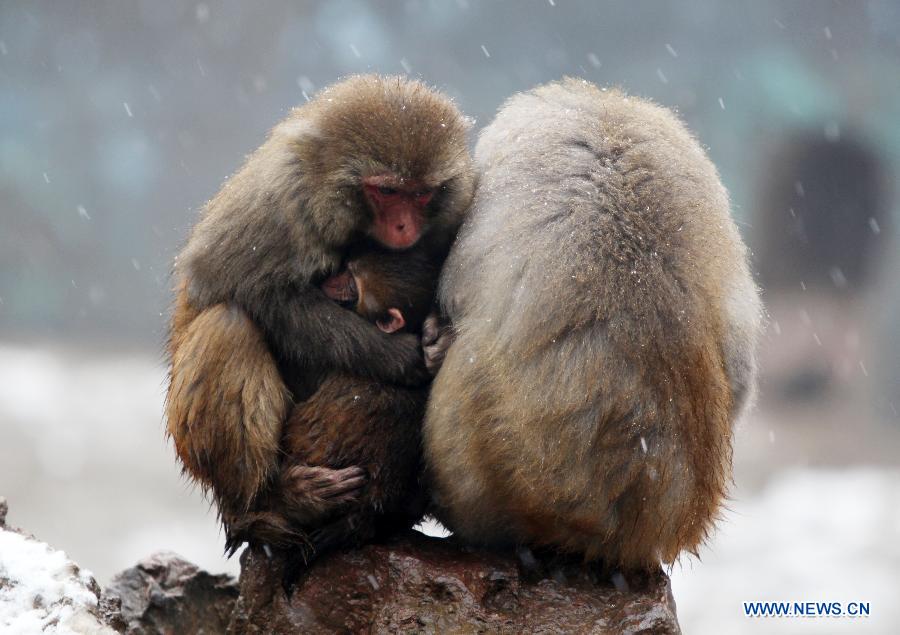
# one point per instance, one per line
(399, 207)
(383, 157)
(395, 290)
(379, 297)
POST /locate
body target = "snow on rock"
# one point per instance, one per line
(42, 591)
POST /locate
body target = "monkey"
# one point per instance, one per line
(353, 423)
(371, 157)
(605, 325)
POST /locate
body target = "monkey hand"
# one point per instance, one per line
(311, 493)
(437, 336)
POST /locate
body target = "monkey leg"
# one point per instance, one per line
(353, 423)
(319, 476)
(225, 405)
(353, 466)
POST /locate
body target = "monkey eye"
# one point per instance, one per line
(387, 191)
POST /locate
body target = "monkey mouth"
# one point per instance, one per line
(399, 226)
(399, 209)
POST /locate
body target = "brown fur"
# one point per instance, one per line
(249, 311)
(353, 422)
(232, 400)
(606, 323)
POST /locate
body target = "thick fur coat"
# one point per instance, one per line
(606, 322)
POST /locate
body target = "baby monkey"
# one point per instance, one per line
(366, 432)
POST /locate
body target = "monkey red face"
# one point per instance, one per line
(399, 208)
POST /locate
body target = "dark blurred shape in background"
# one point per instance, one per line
(824, 218)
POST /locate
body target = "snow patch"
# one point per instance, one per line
(42, 591)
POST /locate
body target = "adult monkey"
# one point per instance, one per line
(606, 324)
(381, 158)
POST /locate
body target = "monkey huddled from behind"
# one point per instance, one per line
(254, 330)
(605, 323)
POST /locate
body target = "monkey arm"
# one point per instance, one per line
(226, 403)
(304, 326)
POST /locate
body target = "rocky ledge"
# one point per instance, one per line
(412, 584)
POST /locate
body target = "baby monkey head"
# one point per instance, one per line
(393, 290)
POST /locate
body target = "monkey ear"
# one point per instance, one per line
(393, 323)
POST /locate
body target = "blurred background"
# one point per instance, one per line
(119, 119)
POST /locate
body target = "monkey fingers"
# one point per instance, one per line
(314, 491)
(437, 337)
(431, 329)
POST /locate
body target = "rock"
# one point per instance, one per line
(418, 584)
(166, 594)
(42, 591)
(412, 584)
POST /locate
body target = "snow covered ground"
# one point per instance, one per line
(42, 591)
(85, 467)
(85, 464)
